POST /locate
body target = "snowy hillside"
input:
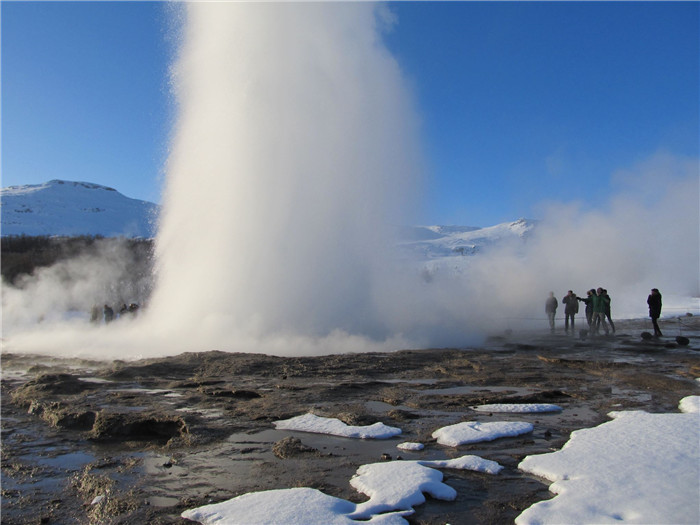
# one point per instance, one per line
(70, 208)
(81, 208)
(434, 242)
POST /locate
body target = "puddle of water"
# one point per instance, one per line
(98, 380)
(14, 375)
(72, 461)
(381, 408)
(215, 473)
(162, 501)
(631, 394)
(121, 408)
(209, 413)
(458, 390)
(411, 381)
(141, 390)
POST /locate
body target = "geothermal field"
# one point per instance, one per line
(292, 362)
(350, 437)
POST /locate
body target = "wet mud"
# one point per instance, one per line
(140, 442)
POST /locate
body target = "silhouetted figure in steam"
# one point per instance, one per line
(570, 302)
(654, 302)
(108, 313)
(133, 309)
(588, 301)
(550, 308)
(95, 314)
(607, 310)
(599, 303)
(123, 310)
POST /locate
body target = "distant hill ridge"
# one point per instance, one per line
(68, 208)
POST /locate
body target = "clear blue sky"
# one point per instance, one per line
(521, 102)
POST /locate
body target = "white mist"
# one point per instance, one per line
(294, 151)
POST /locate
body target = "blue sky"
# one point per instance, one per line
(521, 102)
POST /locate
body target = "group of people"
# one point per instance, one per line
(108, 312)
(597, 310)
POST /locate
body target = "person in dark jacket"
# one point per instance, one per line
(599, 303)
(654, 302)
(550, 308)
(588, 301)
(570, 310)
(607, 310)
(108, 313)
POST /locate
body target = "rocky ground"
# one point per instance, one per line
(139, 442)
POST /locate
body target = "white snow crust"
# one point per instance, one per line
(518, 408)
(690, 405)
(335, 427)
(410, 446)
(393, 489)
(60, 207)
(637, 468)
(474, 432)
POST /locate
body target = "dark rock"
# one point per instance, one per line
(137, 427)
(683, 341)
(50, 385)
(402, 415)
(290, 447)
(353, 419)
(60, 415)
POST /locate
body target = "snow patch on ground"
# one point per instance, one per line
(335, 427)
(637, 468)
(474, 432)
(518, 408)
(410, 446)
(394, 488)
(690, 405)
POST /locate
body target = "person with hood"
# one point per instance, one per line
(108, 313)
(599, 302)
(588, 301)
(570, 310)
(654, 302)
(607, 310)
(550, 308)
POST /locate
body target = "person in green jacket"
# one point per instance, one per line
(600, 301)
(606, 295)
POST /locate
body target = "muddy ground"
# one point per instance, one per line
(139, 442)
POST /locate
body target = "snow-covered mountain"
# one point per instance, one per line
(434, 242)
(69, 208)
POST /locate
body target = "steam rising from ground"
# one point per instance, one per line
(293, 153)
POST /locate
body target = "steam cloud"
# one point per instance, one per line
(293, 154)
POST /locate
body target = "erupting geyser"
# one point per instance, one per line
(293, 153)
(294, 156)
